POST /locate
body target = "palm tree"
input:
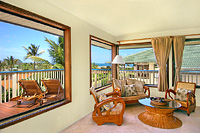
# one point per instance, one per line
(11, 62)
(0, 66)
(32, 53)
(56, 51)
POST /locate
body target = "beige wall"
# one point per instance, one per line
(82, 102)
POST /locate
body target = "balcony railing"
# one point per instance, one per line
(101, 77)
(9, 86)
(148, 76)
(190, 76)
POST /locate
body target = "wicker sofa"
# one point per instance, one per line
(131, 90)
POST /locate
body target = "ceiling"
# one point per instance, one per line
(121, 17)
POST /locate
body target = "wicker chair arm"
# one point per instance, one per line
(146, 88)
(115, 100)
(114, 94)
(190, 98)
(168, 92)
(190, 93)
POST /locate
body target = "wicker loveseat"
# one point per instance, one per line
(131, 90)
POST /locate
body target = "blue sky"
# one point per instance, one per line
(13, 37)
(101, 55)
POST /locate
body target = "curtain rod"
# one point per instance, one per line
(151, 38)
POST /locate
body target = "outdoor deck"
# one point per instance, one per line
(10, 109)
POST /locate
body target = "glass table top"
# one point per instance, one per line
(170, 105)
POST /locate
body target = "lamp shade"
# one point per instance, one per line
(118, 60)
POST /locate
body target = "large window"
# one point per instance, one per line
(101, 57)
(32, 48)
(190, 69)
(140, 63)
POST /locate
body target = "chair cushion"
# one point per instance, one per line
(181, 94)
(102, 97)
(115, 111)
(129, 90)
(131, 81)
(139, 87)
(119, 84)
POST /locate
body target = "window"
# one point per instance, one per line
(101, 57)
(27, 30)
(140, 63)
(190, 69)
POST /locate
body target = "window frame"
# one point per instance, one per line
(5, 7)
(113, 54)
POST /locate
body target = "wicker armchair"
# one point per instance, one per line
(114, 114)
(190, 103)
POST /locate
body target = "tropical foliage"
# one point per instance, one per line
(94, 66)
(10, 62)
(2, 65)
(56, 52)
(33, 53)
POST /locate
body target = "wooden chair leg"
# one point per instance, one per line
(19, 102)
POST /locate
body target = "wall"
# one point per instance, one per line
(82, 102)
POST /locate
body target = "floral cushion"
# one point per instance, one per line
(139, 87)
(107, 106)
(181, 94)
(129, 91)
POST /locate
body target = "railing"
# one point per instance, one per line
(190, 76)
(148, 76)
(9, 86)
(101, 77)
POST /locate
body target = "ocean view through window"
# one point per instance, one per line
(101, 55)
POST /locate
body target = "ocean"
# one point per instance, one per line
(109, 64)
(103, 64)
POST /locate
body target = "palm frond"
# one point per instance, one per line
(59, 66)
(38, 59)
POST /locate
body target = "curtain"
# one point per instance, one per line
(179, 42)
(161, 47)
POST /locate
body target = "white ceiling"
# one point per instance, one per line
(120, 17)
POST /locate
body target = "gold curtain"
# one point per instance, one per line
(179, 42)
(161, 47)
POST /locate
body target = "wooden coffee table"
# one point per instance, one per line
(160, 116)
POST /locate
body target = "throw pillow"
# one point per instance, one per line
(129, 91)
(181, 94)
(102, 97)
(131, 81)
(119, 84)
(139, 87)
